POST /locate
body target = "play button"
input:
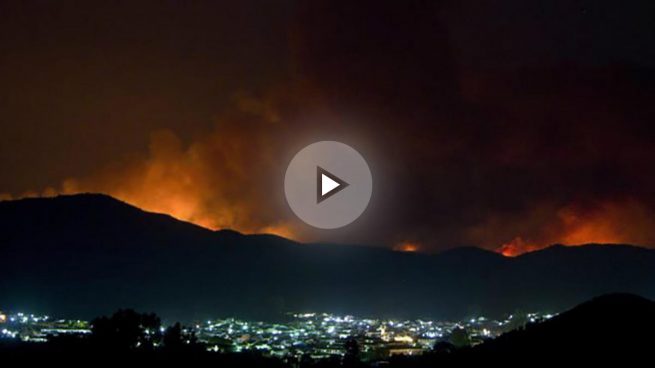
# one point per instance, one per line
(328, 184)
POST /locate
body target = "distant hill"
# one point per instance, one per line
(89, 254)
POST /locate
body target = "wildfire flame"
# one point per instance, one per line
(406, 247)
(517, 247)
(608, 222)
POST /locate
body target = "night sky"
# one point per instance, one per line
(513, 123)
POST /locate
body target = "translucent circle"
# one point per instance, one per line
(330, 161)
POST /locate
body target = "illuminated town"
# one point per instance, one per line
(307, 335)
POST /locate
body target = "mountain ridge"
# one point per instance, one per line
(460, 251)
(87, 254)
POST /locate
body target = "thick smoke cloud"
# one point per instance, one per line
(519, 154)
(222, 179)
(504, 138)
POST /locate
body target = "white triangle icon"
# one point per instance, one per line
(327, 184)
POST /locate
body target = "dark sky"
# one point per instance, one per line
(485, 123)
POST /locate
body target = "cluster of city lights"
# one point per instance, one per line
(315, 335)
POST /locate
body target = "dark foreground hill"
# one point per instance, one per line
(87, 255)
(604, 326)
(613, 328)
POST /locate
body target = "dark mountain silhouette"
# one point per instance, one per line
(87, 255)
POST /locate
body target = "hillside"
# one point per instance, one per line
(85, 255)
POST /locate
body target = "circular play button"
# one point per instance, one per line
(328, 184)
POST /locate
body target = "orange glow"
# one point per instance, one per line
(610, 222)
(582, 228)
(406, 247)
(204, 183)
(224, 178)
(517, 247)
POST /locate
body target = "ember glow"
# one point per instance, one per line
(517, 247)
(407, 247)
